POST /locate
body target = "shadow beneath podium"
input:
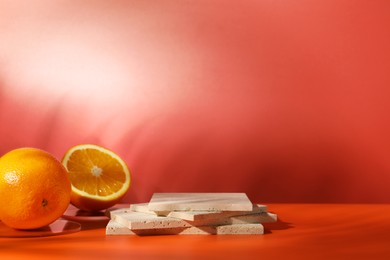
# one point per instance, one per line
(278, 225)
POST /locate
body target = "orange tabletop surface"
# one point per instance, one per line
(303, 231)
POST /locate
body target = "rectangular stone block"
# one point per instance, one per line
(264, 217)
(200, 201)
(138, 220)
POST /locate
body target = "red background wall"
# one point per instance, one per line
(284, 100)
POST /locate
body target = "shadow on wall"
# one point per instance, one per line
(175, 153)
(202, 160)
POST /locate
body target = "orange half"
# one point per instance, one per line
(99, 177)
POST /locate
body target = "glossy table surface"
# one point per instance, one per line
(303, 231)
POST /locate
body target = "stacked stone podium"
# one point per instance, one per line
(190, 214)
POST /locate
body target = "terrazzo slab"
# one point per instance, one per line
(115, 228)
(143, 207)
(264, 217)
(138, 220)
(200, 201)
(197, 215)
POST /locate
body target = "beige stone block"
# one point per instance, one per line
(239, 229)
(115, 228)
(197, 215)
(264, 217)
(138, 220)
(143, 207)
(200, 201)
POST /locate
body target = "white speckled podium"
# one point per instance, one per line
(200, 201)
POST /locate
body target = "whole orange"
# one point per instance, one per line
(34, 188)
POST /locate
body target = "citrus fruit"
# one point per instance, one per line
(34, 188)
(99, 177)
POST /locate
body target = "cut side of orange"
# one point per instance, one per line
(99, 177)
